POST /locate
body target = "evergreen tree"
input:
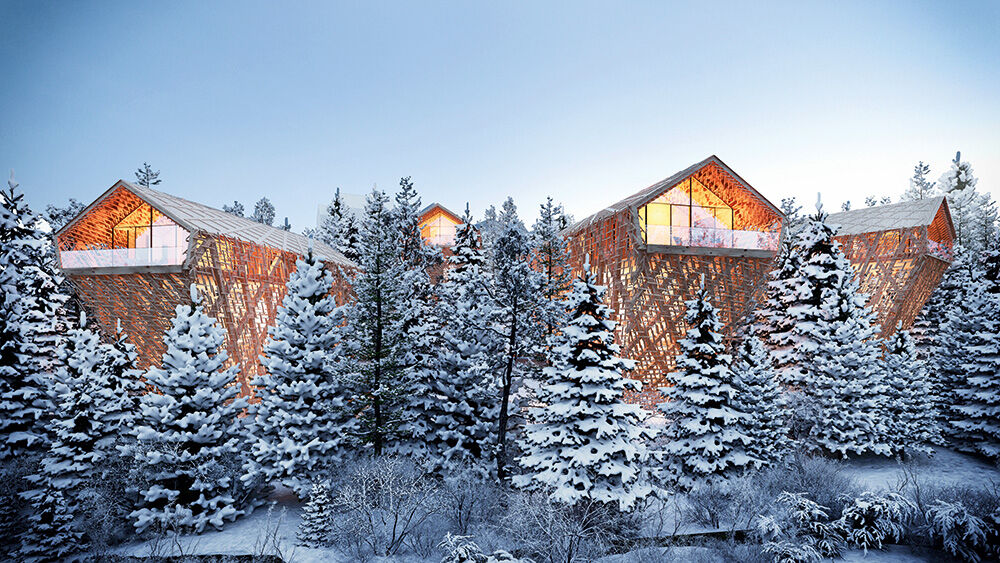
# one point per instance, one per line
(124, 380)
(189, 434)
(57, 216)
(31, 324)
(515, 298)
(585, 442)
(301, 425)
(551, 259)
(318, 518)
(146, 177)
(339, 228)
(974, 330)
(920, 186)
(263, 212)
(458, 405)
(236, 209)
(842, 394)
(50, 534)
(374, 361)
(909, 410)
(758, 395)
(974, 214)
(705, 438)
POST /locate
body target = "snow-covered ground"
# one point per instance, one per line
(249, 535)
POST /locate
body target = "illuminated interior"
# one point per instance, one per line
(437, 227)
(693, 214)
(122, 231)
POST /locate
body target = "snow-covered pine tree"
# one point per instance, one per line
(145, 176)
(920, 186)
(316, 527)
(705, 442)
(374, 364)
(236, 209)
(190, 440)
(301, 426)
(908, 410)
(842, 394)
(974, 214)
(50, 535)
(458, 405)
(551, 259)
(33, 319)
(585, 442)
(759, 396)
(339, 228)
(263, 211)
(82, 430)
(515, 300)
(124, 379)
(974, 330)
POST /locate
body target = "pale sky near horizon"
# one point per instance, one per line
(586, 101)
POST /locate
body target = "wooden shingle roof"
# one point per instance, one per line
(904, 215)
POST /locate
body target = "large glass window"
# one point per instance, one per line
(690, 214)
(438, 229)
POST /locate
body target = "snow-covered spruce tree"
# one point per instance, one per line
(124, 379)
(83, 431)
(974, 214)
(455, 407)
(920, 186)
(374, 364)
(843, 394)
(301, 425)
(236, 209)
(908, 410)
(974, 329)
(759, 396)
(585, 443)
(263, 211)
(316, 527)
(339, 228)
(51, 535)
(33, 319)
(705, 439)
(551, 259)
(190, 440)
(515, 297)
(145, 176)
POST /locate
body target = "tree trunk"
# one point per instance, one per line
(508, 377)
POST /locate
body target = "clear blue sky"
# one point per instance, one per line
(588, 102)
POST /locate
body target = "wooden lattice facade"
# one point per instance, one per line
(133, 253)
(899, 253)
(653, 249)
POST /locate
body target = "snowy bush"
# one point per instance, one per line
(550, 531)
(873, 518)
(821, 479)
(461, 549)
(728, 505)
(316, 527)
(961, 533)
(382, 504)
(800, 527)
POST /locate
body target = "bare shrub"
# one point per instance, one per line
(728, 505)
(382, 505)
(549, 531)
(468, 497)
(268, 545)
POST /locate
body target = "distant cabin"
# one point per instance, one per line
(653, 249)
(899, 252)
(134, 251)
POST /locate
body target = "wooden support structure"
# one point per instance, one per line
(239, 266)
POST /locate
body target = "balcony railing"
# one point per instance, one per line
(122, 257)
(711, 238)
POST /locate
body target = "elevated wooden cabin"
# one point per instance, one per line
(653, 249)
(899, 252)
(133, 252)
